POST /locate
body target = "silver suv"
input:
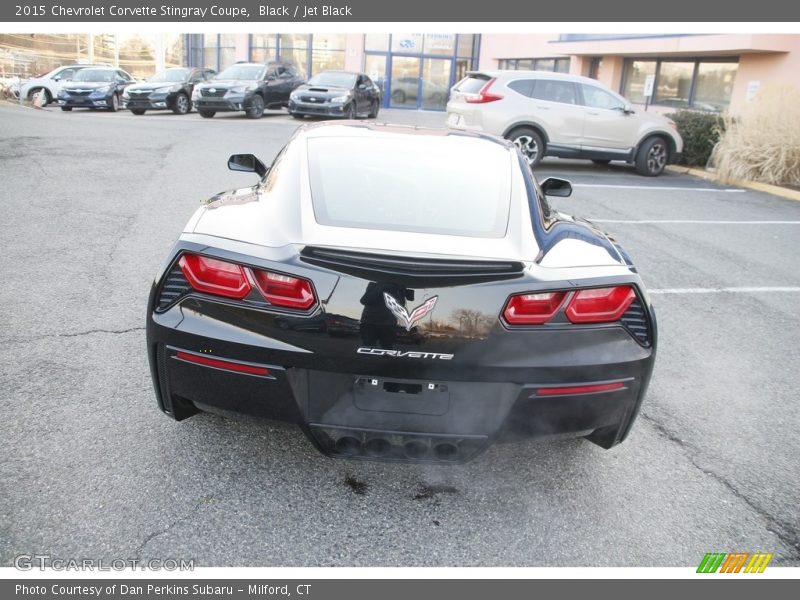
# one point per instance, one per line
(568, 116)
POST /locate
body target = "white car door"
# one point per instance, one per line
(554, 103)
(607, 125)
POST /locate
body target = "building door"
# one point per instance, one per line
(435, 83)
(405, 83)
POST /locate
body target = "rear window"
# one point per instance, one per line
(446, 185)
(472, 84)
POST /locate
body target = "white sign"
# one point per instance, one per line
(648, 86)
(752, 89)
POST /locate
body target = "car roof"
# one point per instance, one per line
(514, 74)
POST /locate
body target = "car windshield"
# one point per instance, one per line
(175, 75)
(249, 72)
(333, 79)
(446, 184)
(103, 75)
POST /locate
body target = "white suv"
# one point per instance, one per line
(554, 114)
(51, 82)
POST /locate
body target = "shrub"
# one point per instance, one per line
(700, 132)
(762, 143)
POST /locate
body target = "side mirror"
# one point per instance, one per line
(57, 78)
(552, 186)
(247, 163)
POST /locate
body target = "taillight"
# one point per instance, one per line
(214, 276)
(483, 96)
(285, 291)
(532, 309)
(223, 278)
(600, 305)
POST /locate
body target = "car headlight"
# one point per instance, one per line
(103, 90)
(340, 99)
(294, 96)
(195, 94)
(240, 89)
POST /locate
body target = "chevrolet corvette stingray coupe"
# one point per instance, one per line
(401, 294)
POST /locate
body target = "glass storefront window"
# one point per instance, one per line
(714, 86)
(465, 45)
(227, 50)
(544, 64)
(263, 47)
(375, 67)
(435, 79)
(636, 71)
(674, 84)
(407, 43)
(174, 50)
(405, 81)
(562, 65)
(559, 65)
(210, 51)
(439, 43)
(376, 42)
(327, 52)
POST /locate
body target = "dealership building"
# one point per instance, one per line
(416, 70)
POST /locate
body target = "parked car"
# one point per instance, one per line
(95, 87)
(407, 88)
(52, 82)
(336, 94)
(250, 87)
(540, 323)
(555, 114)
(170, 89)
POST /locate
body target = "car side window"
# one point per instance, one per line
(594, 97)
(123, 75)
(554, 90)
(522, 86)
(66, 74)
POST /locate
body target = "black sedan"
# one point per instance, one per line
(100, 87)
(336, 94)
(170, 89)
(476, 312)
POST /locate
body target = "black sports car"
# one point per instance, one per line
(95, 87)
(336, 94)
(482, 314)
(170, 89)
(250, 87)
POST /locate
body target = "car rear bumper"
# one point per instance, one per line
(372, 415)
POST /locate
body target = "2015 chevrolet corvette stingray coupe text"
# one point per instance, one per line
(401, 294)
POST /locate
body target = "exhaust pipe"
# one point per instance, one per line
(445, 451)
(377, 447)
(348, 445)
(415, 449)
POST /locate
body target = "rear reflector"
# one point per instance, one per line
(483, 96)
(600, 305)
(225, 365)
(214, 276)
(283, 290)
(579, 389)
(532, 309)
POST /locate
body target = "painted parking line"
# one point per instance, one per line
(666, 188)
(728, 290)
(690, 222)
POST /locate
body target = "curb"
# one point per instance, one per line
(775, 190)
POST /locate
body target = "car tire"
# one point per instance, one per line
(66, 108)
(182, 104)
(600, 161)
(297, 115)
(530, 144)
(114, 105)
(206, 114)
(652, 157)
(138, 111)
(256, 109)
(399, 97)
(374, 108)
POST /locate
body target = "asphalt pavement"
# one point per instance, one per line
(91, 203)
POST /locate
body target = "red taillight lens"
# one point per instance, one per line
(226, 365)
(214, 276)
(483, 96)
(282, 290)
(601, 305)
(572, 390)
(532, 309)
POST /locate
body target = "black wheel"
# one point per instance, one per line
(256, 109)
(530, 144)
(182, 104)
(652, 157)
(297, 116)
(373, 110)
(66, 108)
(138, 111)
(113, 105)
(206, 114)
(600, 161)
(350, 113)
(399, 97)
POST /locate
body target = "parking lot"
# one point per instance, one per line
(91, 204)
